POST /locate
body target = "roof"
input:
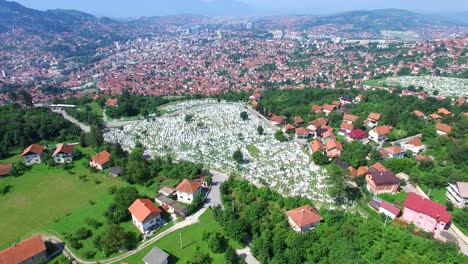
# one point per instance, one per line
(328, 107)
(289, 127)
(256, 95)
(415, 142)
(304, 216)
(332, 144)
(298, 119)
(317, 108)
(101, 158)
(435, 116)
(336, 103)
(319, 122)
(390, 207)
(302, 131)
(167, 189)
(63, 148)
(188, 186)
(421, 157)
(346, 126)
(443, 111)
(362, 171)
(112, 102)
(379, 167)
(382, 130)
(34, 148)
(444, 128)
(23, 250)
(383, 178)
(427, 207)
(116, 170)
(156, 256)
(394, 150)
(5, 169)
(374, 116)
(144, 209)
(418, 113)
(462, 189)
(358, 134)
(350, 118)
(277, 119)
(316, 145)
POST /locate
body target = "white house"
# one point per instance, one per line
(414, 145)
(146, 216)
(187, 190)
(33, 154)
(63, 153)
(379, 134)
(101, 160)
(457, 193)
(303, 218)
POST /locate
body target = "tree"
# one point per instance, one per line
(279, 135)
(12, 96)
(244, 116)
(26, 97)
(260, 130)
(238, 156)
(355, 154)
(118, 210)
(230, 256)
(95, 137)
(319, 158)
(216, 242)
(200, 258)
(115, 239)
(82, 233)
(188, 118)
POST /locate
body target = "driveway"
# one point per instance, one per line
(214, 197)
(82, 126)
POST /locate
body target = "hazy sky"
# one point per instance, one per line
(133, 8)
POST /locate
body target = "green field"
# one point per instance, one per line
(375, 82)
(253, 150)
(191, 240)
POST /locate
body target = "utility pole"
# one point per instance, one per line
(180, 239)
(386, 218)
(429, 193)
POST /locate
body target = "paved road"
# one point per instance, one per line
(214, 197)
(82, 126)
(247, 254)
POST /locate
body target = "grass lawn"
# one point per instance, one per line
(191, 239)
(375, 82)
(437, 195)
(396, 199)
(253, 150)
(96, 108)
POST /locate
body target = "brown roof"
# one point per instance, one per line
(22, 251)
(351, 118)
(304, 216)
(418, 113)
(144, 209)
(374, 116)
(336, 103)
(435, 116)
(34, 148)
(444, 111)
(302, 131)
(463, 189)
(65, 148)
(362, 171)
(188, 186)
(101, 158)
(346, 126)
(394, 150)
(328, 107)
(382, 130)
(444, 128)
(332, 144)
(289, 127)
(316, 145)
(112, 102)
(379, 167)
(298, 120)
(421, 157)
(319, 122)
(5, 169)
(317, 108)
(415, 142)
(277, 119)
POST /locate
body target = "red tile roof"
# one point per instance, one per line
(65, 148)
(22, 251)
(188, 186)
(390, 207)
(351, 118)
(358, 134)
(302, 131)
(144, 209)
(317, 108)
(415, 142)
(101, 158)
(444, 111)
(427, 207)
(316, 145)
(304, 216)
(444, 128)
(435, 116)
(382, 130)
(379, 167)
(374, 116)
(394, 150)
(319, 122)
(418, 113)
(112, 102)
(5, 169)
(34, 148)
(346, 126)
(289, 127)
(328, 107)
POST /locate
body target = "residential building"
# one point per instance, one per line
(256, 97)
(171, 206)
(419, 114)
(379, 134)
(333, 148)
(317, 108)
(372, 120)
(381, 180)
(302, 133)
(317, 123)
(112, 102)
(298, 121)
(277, 120)
(115, 171)
(156, 256)
(288, 128)
(385, 207)
(101, 160)
(33, 154)
(414, 145)
(303, 218)
(327, 109)
(29, 251)
(350, 119)
(345, 128)
(457, 193)
(316, 145)
(5, 169)
(63, 153)
(443, 111)
(146, 216)
(346, 99)
(358, 134)
(393, 152)
(425, 214)
(443, 129)
(187, 190)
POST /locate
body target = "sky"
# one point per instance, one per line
(136, 8)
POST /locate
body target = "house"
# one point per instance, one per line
(146, 216)
(29, 251)
(187, 190)
(457, 193)
(303, 218)
(333, 148)
(385, 207)
(315, 146)
(381, 180)
(5, 169)
(379, 134)
(63, 153)
(345, 128)
(326, 135)
(317, 108)
(414, 145)
(327, 109)
(393, 152)
(419, 114)
(435, 117)
(443, 111)
(350, 119)
(256, 97)
(112, 102)
(168, 191)
(288, 128)
(100, 161)
(358, 98)
(277, 120)
(317, 123)
(171, 206)
(156, 256)
(337, 104)
(346, 99)
(33, 154)
(443, 129)
(357, 134)
(298, 121)
(115, 171)
(425, 214)
(203, 181)
(372, 120)
(302, 133)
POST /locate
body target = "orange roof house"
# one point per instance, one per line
(112, 102)
(435, 116)
(63, 148)
(145, 214)
(374, 117)
(303, 218)
(350, 118)
(316, 108)
(33, 149)
(418, 113)
(100, 160)
(31, 250)
(444, 111)
(188, 186)
(5, 169)
(316, 145)
(333, 148)
(443, 129)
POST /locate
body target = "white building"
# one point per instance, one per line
(457, 193)
(379, 134)
(63, 153)
(414, 145)
(146, 216)
(33, 154)
(187, 190)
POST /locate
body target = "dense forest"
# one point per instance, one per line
(134, 105)
(259, 214)
(21, 127)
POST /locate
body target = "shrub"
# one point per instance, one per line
(82, 233)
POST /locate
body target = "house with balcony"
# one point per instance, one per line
(33, 154)
(457, 194)
(379, 134)
(187, 190)
(63, 153)
(379, 179)
(146, 216)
